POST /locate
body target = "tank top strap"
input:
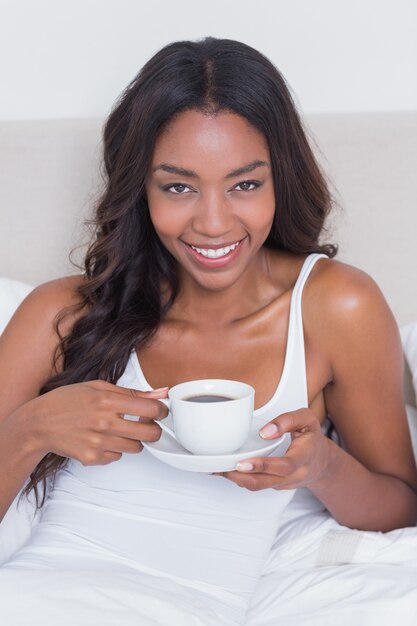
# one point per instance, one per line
(295, 341)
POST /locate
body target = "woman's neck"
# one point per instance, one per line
(209, 308)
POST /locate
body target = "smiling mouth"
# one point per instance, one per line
(215, 253)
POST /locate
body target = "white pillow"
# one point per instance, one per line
(412, 425)
(12, 292)
(409, 341)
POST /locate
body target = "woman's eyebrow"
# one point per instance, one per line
(172, 169)
(180, 171)
(247, 168)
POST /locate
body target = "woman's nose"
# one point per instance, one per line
(214, 216)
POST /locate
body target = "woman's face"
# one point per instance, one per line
(210, 195)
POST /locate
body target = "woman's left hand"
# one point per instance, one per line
(305, 462)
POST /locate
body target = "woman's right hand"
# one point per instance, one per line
(84, 421)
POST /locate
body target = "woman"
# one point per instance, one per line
(206, 264)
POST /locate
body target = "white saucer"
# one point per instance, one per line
(170, 451)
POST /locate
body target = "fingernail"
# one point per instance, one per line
(244, 467)
(161, 389)
(268, 431)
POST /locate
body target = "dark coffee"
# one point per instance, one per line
(208, 398)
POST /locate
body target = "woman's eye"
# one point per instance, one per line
(247, 185)
(177, 189)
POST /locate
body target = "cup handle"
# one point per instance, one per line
(164, 427)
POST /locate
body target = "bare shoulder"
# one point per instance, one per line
(59, 289)
(45, 302)
(338, 289)
(346, 311)
(56, 294)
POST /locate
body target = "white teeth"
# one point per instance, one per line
(215, 254)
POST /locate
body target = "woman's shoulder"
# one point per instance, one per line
(52, 297)
(336, 287)
(62, 291)
(342, 302)
(37, 314)
(30, 340)
(331, 284)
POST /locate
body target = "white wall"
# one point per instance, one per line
(71, 58)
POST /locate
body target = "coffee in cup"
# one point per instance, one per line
(211, 416)
(208, 398)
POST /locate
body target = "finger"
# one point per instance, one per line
(123, 445)
(131, 404)
(95, 457)
(106, 386)
(297, 455)
(256, 482)
(109, 457)
(102, 385)
(276, 466)
(139, 431)
(163, 415)
(298, 421)
(162, 392)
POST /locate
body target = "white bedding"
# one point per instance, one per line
(322, 574)
(318, 574)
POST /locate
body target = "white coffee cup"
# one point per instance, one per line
(210, 427)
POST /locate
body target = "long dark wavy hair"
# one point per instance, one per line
(120, 299)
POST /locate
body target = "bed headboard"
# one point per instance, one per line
(49, 179)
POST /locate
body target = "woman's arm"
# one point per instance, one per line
(374, 479)
(371, 483)
(81, 421)
(27, 346)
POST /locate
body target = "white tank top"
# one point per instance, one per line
(139, 512)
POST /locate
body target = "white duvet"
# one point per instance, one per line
(318, 574)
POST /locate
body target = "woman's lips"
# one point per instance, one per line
(215, 262)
